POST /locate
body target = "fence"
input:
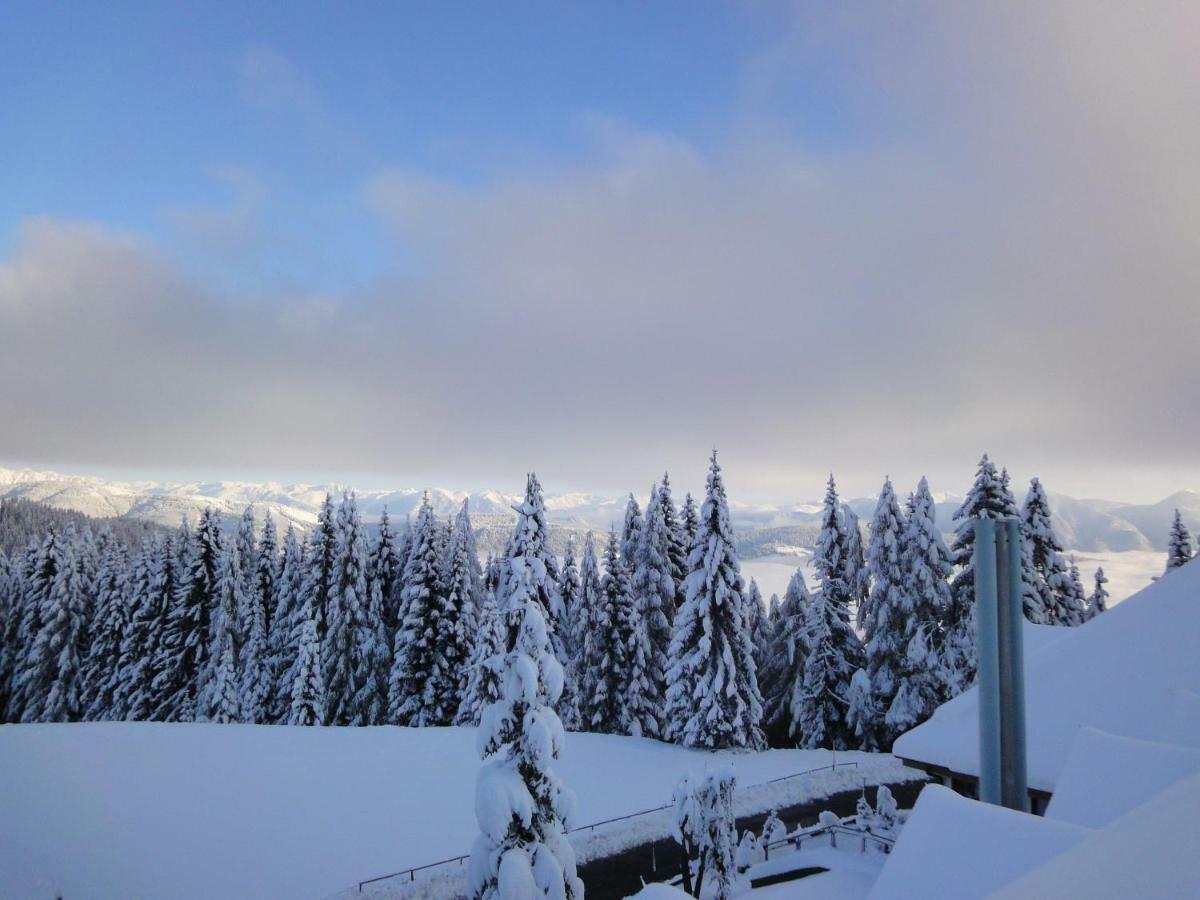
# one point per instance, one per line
(412, 872)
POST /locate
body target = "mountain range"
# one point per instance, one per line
(1084, 525)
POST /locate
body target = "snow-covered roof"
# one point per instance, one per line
(1149, 853)
(1132, 671)
(955, 847)
(1107, 776)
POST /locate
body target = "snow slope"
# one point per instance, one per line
(118, 810)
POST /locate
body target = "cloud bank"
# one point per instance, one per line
(1003, 259)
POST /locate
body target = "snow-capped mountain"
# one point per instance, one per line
(1085, 525)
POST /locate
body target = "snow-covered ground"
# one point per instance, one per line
(117, 810)
(1127, 572)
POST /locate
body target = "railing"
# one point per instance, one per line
(412, 872)
(798, 838)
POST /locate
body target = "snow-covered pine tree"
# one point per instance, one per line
(1179, 544)
(287, 620)
(988, 498)
(257, 559)
(608, 667)
(307, 690)
(460, 621)
(584, 628)
(784, 676)
(350, 653)
(568, 588)
(756, 624)
(135, 655)
(690, 527)
(922, 679)
(522, 807)
(267, 564)
(858, 573)
(417, 643)
(220, 701)
(55, 666)
(834, 651)
(654, 590)
(1075, 603)
(1048, 574)
(386, 574)
(712, 696)
(166, 579)
(862, 712)
(714, 808)
(631, 532)
(183, 663)
(101, 674)
(320, 554)
(773, 613)
(677, 547)
(884, 623)
(487, 659)
(1098, 602)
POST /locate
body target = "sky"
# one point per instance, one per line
(409, 244)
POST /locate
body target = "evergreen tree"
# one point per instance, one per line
(858, 573)
(610, 665)
(101, 672)
(267, 566)
(834, 651)
(712, 696)
(678, 541)
(487, 662)
(690, 528)
(862, 712)
(1098, 602)
(417, 642)
(654, 590)
(631, 533)
(55, 666)
(923, 681)
(307, 690)
(320, 557)
(460, 620)
(287, 621)
(522, 850)
(1050, 604)
(220, 702)
(350, 653)
(570, 589)
(145, 596)
(247, 551)
(756, 624)
(386, 575)
(987, 499)
(586, 621)
(884, 624)
(183, 661)
(149, 701)
(1179, 544)
(1076, 602)
(784, 671)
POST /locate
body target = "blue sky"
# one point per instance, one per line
(452, 242)
(139, 115)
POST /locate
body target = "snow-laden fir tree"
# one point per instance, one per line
(1048, 574)
(187, 634)
(350, 650)
(35, 578)
(267, 565)
(464, 583)
(773, 613)
(834, 651)
(884, 622)
(54, 669)
(1098, 602)
(418, 640)
(255, 684)
(690, 527)
(858, 573)
(862, 712)
(784, 674)
(146, 700)
(247, 550)
(925, 676)
(756, 624)
(631, 532)
(654, 590)
(286, 622)
(584, 625)
(714, 808)
(570, 589)
(487, 660)
(102, 675)
(988, 498)
(678, 541)
(147, 602)
(522, 808)
(609, 668)
(306, 693)
(1076, 602)
(386, 575)
(320, 554)
(219, 700)
(712, 696)
(1179, 544)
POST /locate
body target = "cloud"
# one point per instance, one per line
(1003, 261)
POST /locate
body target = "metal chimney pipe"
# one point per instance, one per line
(988, 660)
